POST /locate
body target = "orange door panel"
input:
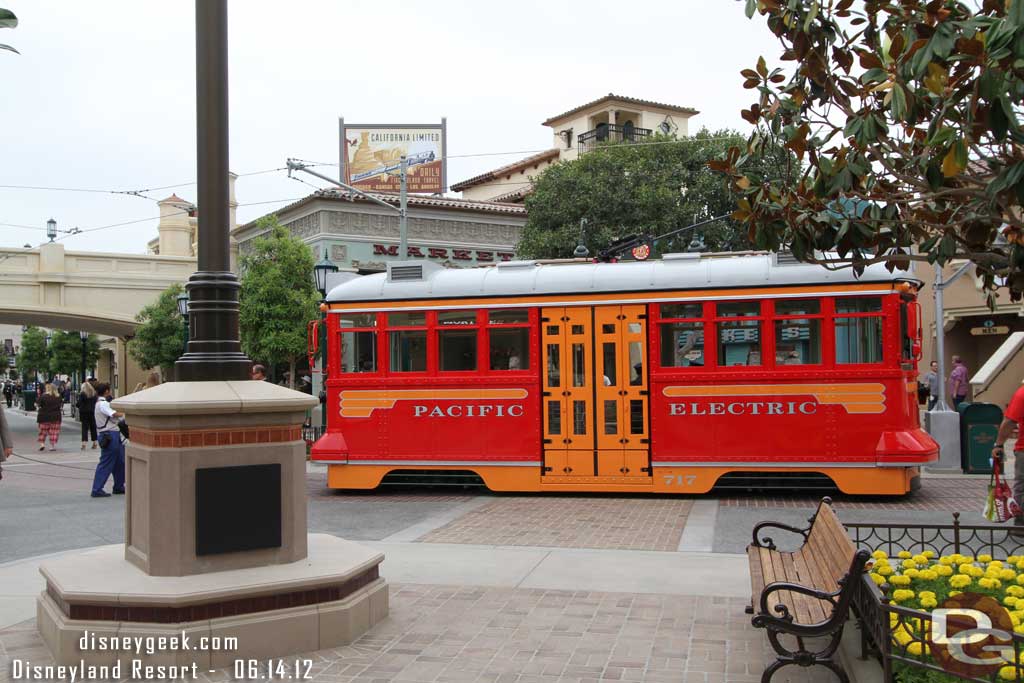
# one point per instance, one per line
(567, 347)
(620, 334)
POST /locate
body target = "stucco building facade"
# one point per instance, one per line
(975, 333)
(612, 118)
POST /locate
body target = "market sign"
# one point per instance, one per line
(371, 157)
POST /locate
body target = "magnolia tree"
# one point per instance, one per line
(907, 117)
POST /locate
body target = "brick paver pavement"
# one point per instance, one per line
(937, 494)
(444, 634)
(571, 522)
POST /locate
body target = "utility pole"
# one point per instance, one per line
(942, 423)
(403, 202)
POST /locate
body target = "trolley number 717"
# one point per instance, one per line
(679, 479)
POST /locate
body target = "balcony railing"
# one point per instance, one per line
(606, 133)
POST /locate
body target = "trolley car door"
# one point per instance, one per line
(622, 424)
(567, 341)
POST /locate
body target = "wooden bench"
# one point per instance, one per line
(805, 593)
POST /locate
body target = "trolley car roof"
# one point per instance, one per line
(410, 280)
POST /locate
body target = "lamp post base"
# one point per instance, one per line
(213, 353)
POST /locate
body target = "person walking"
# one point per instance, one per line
(6, 441)
(9, 393)
(87, 413)
(48, 416)
(1012, 419)
(931, 380)
(111, 448)
(958, 382)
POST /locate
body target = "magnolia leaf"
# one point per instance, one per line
(951, 166)
(7, 19)
(8, 47)
(743, 182)
(762, 68)
(936, 79)
(751, 8)
(898, 103)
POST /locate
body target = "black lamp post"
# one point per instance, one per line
(46, 342)
(320, 272)
(214, 351)
(85, 339)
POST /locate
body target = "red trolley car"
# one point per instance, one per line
(666, 376)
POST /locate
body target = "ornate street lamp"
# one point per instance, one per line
(320, 272)
(51, 229)
(183, 312)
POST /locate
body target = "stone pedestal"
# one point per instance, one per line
(216, 539)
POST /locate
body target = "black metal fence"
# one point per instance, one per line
(610, 133)
(880, 619)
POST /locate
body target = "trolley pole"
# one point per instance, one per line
(403, 203)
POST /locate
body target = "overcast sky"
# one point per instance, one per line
(102, 95)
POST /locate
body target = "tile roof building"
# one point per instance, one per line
(612, 118)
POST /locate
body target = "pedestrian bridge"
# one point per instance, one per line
(92, 291)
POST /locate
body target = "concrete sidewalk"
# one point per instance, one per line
(605, 571)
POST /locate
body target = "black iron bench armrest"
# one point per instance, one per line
(785, 621)
(767, 542)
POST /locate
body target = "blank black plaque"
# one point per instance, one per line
(238, 508)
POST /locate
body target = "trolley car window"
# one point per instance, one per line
(579, 366)
(739, 309)
(457, 350)
(554, 372)
(509, 316)
(508, 338)
(859, 304)
(608, 362)
(682, 310)
(611, 417)
(408, 350)
(357, 320)
(739, 341)
(359, 351)
(858, 340)
(579, 417)
(798, 341)
(682, 345)
(447, 318)
(636, 416)
(554, 417)
(416, 319)
(797, 307)
(510, 349)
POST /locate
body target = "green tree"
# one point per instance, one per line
(34, 356)
(278, 297)
(66, 352)
(908, 115)
(642, 188)
(160, 339)
(7, 20)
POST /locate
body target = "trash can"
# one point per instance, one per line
(979, 425)
(30, 399)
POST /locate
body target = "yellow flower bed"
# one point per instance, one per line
(924, 581)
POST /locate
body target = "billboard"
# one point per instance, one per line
(371, 155)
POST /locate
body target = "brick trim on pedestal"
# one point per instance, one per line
(194, 438)
(211, 610)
